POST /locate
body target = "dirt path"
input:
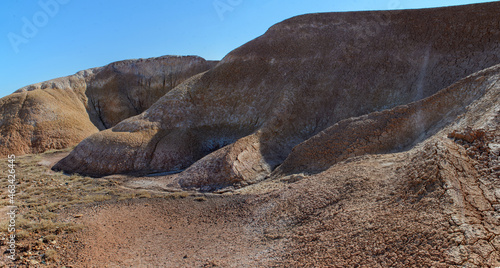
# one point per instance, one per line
(190, 232)
(168, 233)
(49, 160)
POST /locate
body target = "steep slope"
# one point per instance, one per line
(301, 77)
(434, 205)
(60, 113)
(127, 88)
(394, 129)
(46, 116)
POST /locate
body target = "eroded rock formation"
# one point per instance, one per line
(236, 123)
(393, 129)
(375, 132)
(60, 113)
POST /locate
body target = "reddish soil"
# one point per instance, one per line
(168, 233)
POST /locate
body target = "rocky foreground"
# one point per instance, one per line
(363, 138)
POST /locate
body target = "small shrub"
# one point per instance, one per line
(178, 195)
(49, 238)
(144, 194)
(200, 199)
(22, 234)
(51, 255)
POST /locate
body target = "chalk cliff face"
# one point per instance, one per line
(60, 113)
(236, 123)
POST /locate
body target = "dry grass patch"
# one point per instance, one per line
(43, 194)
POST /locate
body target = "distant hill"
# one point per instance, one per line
(60, 113)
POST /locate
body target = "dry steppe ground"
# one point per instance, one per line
(313, 145)
(389, 210)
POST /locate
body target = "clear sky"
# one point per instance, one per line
(45, 39)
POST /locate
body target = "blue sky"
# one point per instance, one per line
(46, 39)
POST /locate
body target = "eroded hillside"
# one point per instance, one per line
(236, 123)
(60, 113)
(334, 140)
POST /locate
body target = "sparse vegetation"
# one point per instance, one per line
(200, 199)
(50, 255)
(43, 194)
(178, 195)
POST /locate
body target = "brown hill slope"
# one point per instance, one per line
(60, 113)
(436, 205)
(303, 76)
(394, 129)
